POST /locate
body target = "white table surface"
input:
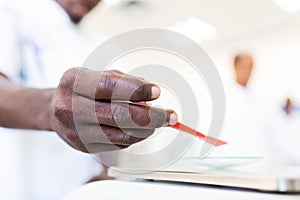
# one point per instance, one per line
(147, 190)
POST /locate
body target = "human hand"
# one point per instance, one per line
(98, 111)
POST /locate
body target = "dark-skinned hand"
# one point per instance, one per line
(97, 111)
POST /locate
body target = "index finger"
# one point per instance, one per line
(114, 85)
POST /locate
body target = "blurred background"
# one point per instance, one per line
(263, 35)
(269, 30)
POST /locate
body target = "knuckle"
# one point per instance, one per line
(74, 140)
(107, 83)
(127, 138)
(133, 140)
(120, 114)
(141, 118)
(142, 134)
(143, 91)
(110, 78)
(124, 138)
(158, 117)
(62, 112)
(114, 71)
(68, 77)
(72, 71)
(72, 136)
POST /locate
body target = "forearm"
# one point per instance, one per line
(25, 108)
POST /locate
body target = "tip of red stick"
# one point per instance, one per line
(208, 139)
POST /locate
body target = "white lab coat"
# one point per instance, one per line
(38, 43)
(251, 121)
(245, 126)
(287, 142)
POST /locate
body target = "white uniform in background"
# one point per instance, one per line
(250, 121)
(38, 42)
(246, 124)
(288, 140)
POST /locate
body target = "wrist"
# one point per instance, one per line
(45, 110)
(36, 107)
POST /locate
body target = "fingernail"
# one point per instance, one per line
(155, 92)
(173, 119)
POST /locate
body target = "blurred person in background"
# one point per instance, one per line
(39, 41)
(288, 106)
(288, 142)
(250, 116)
(247, 115)
(243, 67)
(254, 126)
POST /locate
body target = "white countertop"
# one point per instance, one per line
(149, 190)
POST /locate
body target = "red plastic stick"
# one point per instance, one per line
(211, 140)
